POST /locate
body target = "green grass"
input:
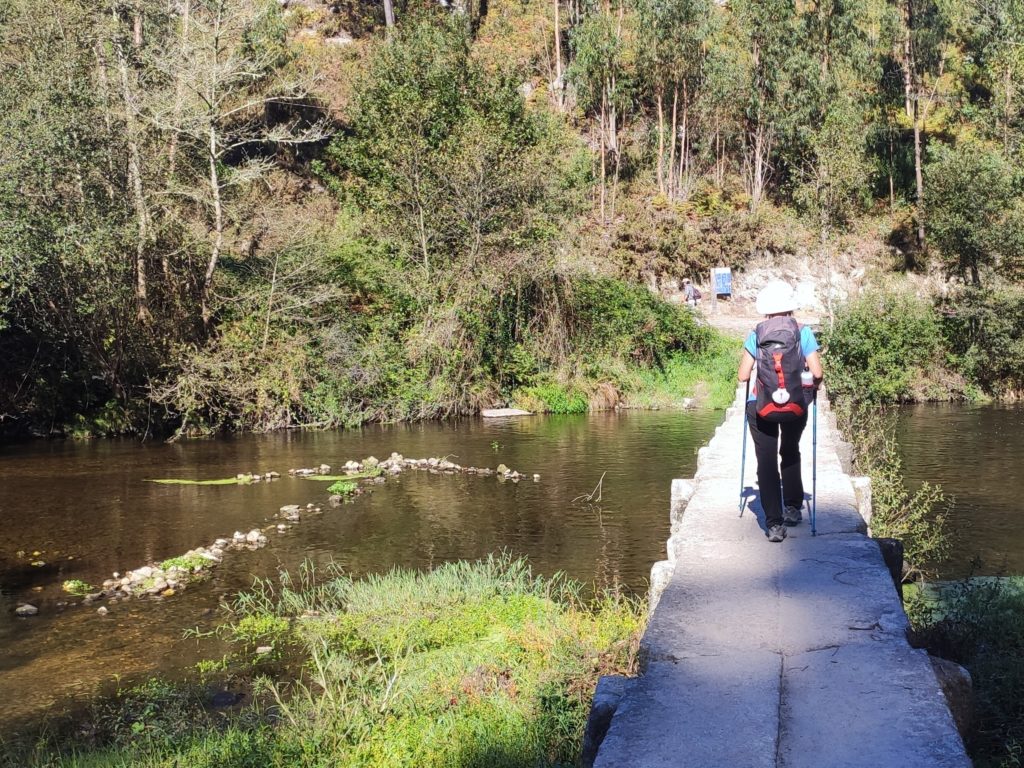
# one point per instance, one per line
(468, 665)
(709, 377)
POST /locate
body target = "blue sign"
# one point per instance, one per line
(722, 279)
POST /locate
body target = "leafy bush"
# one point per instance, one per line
(973, 210)
(552, 398)
(884, 347)
(984, 332)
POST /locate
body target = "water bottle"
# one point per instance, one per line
(807, 382)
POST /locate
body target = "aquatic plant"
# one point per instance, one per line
(186, 562)
(364, 475)
(178, 481)
(77, 587)
(343, 487)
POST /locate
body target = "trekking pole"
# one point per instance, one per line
(814, 465)
(743, 460)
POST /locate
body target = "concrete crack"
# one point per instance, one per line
(778, 713)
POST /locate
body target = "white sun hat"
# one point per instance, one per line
(776, 298)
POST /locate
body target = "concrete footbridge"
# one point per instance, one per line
(763, 655)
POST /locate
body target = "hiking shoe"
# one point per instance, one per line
(792, 516)
(776, 533)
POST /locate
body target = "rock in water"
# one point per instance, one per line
(26, 610)
(102, 611)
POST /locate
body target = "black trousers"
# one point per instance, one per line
(773, 453)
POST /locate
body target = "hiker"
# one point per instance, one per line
(690, 293)
(777, 403)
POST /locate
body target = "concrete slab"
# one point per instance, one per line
(821, 613)
(709, 711)
(866, 705)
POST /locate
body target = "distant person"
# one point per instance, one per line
(690, 293)
(788, 371)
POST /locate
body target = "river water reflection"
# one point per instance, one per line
(86, 509)
(977, 454)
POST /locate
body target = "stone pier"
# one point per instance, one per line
(761, 654)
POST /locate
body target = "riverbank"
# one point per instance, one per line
(469, 664)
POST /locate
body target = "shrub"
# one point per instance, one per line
(984, 331)
(884, 347)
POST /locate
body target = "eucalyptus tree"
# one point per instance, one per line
(604, 61)
(768, 34)
(671, 38)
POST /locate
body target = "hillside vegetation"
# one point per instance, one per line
(259, 214)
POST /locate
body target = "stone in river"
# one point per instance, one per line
(494, 413)
(102, 611)
(26, 610)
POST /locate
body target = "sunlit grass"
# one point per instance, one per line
(467, 665)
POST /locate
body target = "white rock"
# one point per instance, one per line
(102, 610)
(536, 478)
(26, 610)
(253, 536)
(264, 649)
(239, 536)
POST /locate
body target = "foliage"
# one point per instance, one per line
(917, 518)
(707, 378)
(470, 664)
(979, 623)
(984, 332)
(551, 398)
(883, 347)
(975, 216)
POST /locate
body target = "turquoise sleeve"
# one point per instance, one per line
(751, 344)
(808, 343)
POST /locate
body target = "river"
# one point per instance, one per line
(976, 453)
(87, 510)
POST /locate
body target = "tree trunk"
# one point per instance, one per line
(389, 14)
(218, 225)
(918, 175)
(601, 135)
(558, 55)
(684, 147)
(672, 149)
(661, 142)
(135, 185)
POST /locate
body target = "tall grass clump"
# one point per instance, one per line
(469, 664)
